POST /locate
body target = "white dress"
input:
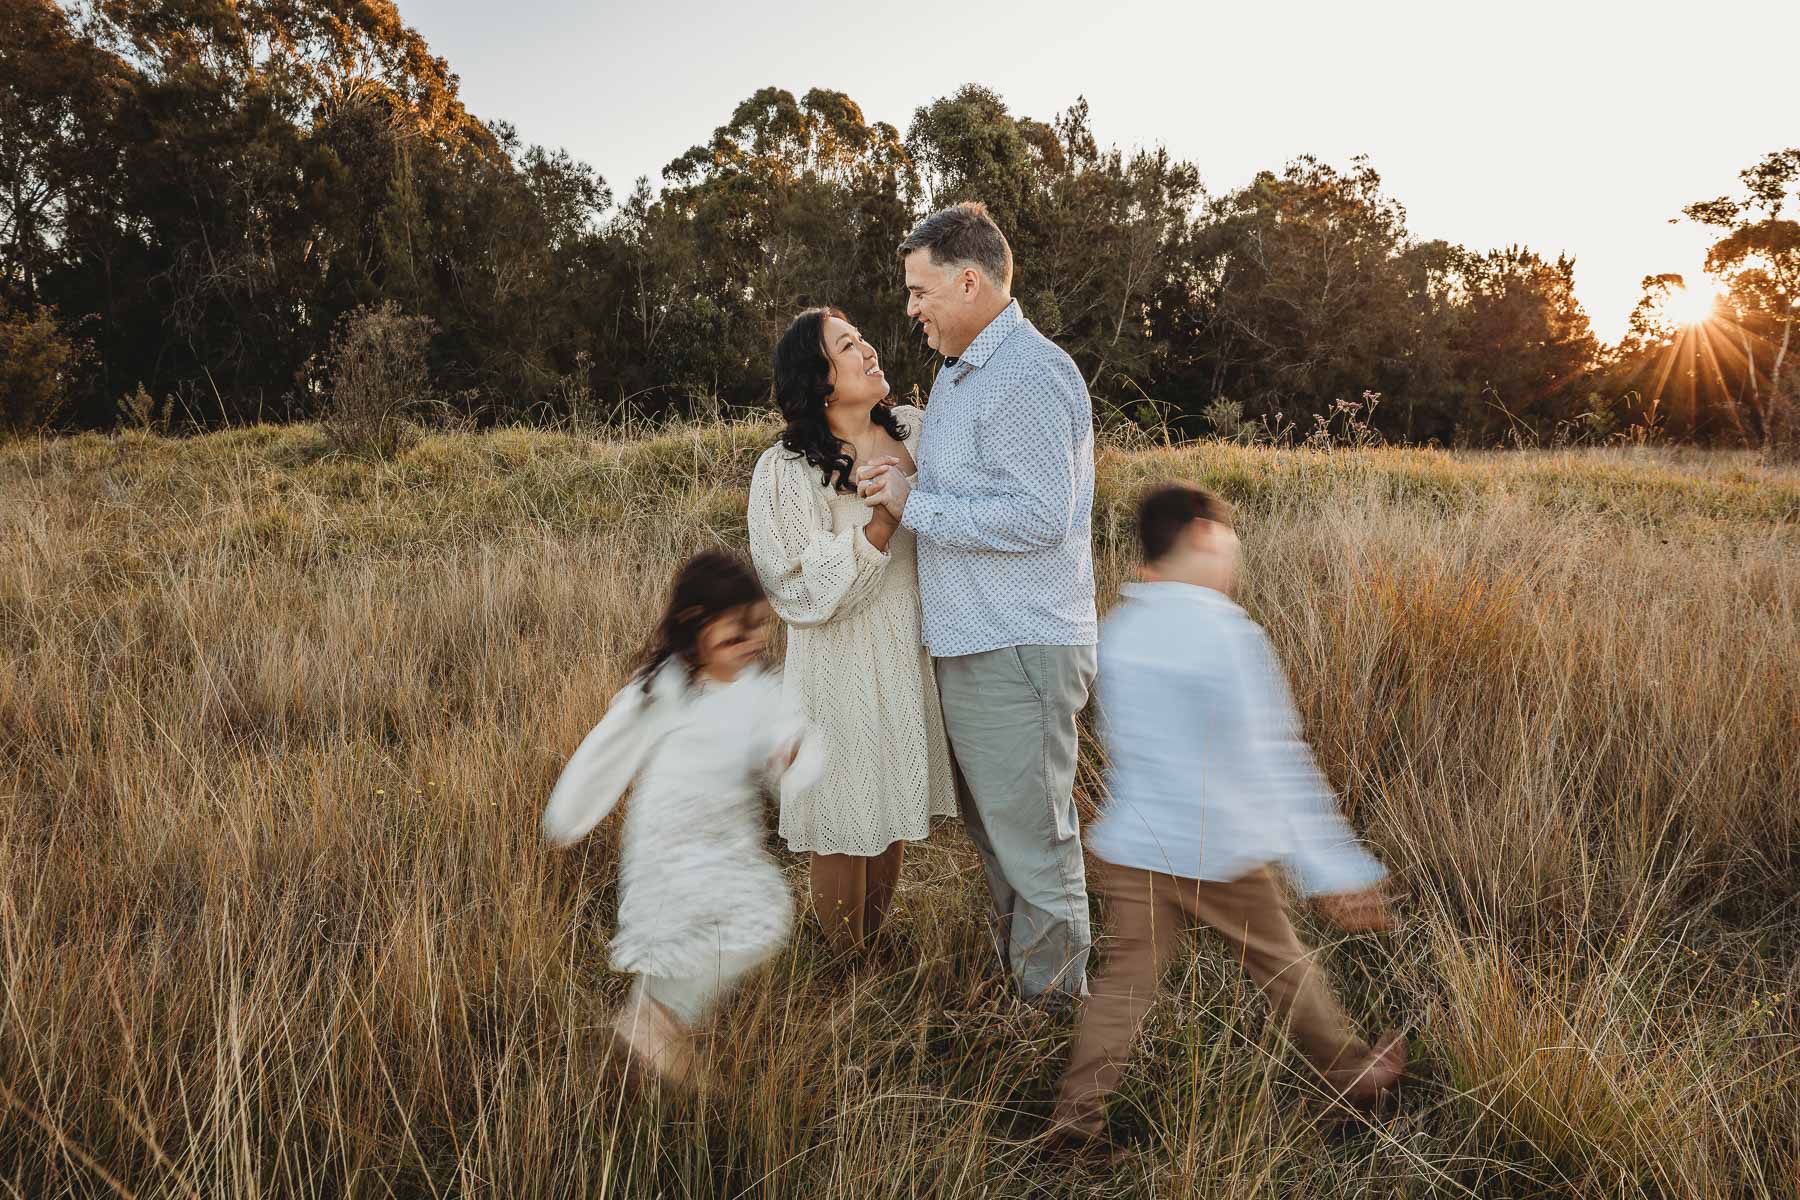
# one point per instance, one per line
(856, 661)
(695, 880)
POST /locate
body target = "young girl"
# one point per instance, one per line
(699, 726)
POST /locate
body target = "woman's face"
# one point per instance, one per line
(856, 377)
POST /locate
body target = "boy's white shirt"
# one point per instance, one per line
(1210, 777)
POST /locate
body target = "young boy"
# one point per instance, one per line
(1210, 786)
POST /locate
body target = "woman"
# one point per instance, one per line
(842, 576)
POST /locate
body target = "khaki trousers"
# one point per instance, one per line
(1151, 914)
(851, 894)
(1010, 716)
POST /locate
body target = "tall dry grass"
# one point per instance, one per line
(274, 919)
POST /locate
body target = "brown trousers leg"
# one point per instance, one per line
(1147, 923)
(1251, 914)
(1149, 913)
(851, 894)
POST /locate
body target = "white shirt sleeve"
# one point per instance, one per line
(1028, 440)
(1326, 857)
(601, 768)
(810, 573)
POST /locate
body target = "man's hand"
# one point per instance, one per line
(1367, 911)
(881, 483)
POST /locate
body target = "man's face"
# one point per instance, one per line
(932, 298)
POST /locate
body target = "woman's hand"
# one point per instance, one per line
(883, 520)
(880, 481)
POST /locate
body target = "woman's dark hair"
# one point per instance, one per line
(802, 382)
(708, 585)
(1169, 508)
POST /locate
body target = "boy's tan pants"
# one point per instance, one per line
(1150, 914)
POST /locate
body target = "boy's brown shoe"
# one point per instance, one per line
(1068, 1143)
(1380, 1075)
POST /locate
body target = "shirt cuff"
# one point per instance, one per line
(923, 510)
(1337, 871)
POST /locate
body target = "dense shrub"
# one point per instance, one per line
(36, 357)
(379, 381)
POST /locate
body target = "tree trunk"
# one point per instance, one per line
(1751, 397)
(1787, 334)
(1783, 434)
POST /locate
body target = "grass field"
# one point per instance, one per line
(276, 729)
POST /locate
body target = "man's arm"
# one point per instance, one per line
(1030, 439)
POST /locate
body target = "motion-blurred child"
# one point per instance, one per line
(1210, 787)
(698, 728)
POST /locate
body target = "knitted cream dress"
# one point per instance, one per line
(856, 661)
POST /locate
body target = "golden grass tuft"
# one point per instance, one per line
(276, 727)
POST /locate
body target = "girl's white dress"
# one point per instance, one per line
(856, 661)
(695, 881)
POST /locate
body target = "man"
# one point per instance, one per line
(1001, 509)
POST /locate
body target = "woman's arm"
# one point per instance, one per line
(811, 574)
(880, 529)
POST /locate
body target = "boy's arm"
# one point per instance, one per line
(1327, 859)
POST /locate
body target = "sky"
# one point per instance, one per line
(1578, 127)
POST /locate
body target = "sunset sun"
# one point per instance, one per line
(1690, 305)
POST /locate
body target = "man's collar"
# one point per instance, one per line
(989, 339)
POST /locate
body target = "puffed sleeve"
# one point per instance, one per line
(601, 768)
(811, 574)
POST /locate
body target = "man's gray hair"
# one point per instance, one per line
(963, 235)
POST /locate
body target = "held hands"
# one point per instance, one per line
(884, 486)
(1367, 911)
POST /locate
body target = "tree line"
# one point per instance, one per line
(196, 198)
